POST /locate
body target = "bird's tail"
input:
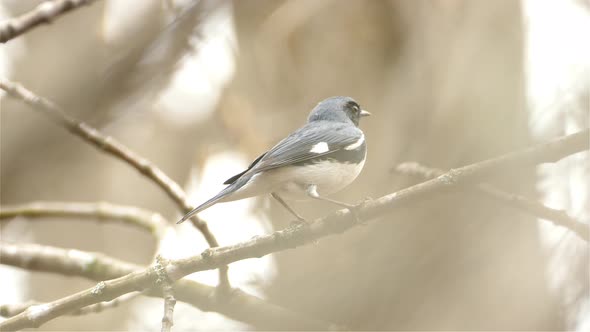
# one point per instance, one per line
(226, 191)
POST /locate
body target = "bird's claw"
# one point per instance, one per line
(222, 293)
(299, 222)
(355, 211)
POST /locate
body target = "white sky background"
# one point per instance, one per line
(557, 74)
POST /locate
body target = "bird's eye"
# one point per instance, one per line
(356, 108)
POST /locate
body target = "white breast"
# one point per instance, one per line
(291, 182)
(329, 177)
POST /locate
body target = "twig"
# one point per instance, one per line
(105, 143)
(144, 219)
(334, 223)
(44, 13)
(9, 310)
(237, 304)
(557, 217)
(113, 147)
(167, 292)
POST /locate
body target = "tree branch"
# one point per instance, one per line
(167, 293)
(44, 13)
(9, 310)
(151, 221)
(236, 304)
(68, 262)
(557, 217)
(294, 236)
(247, 308)
(114, 148)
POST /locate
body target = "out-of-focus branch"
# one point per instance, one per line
(236, 304)
(294, 236)
(558, 217)
(69, 262)
(131, 215)
(45, 12)
(113, 147)
(9, 310)
(105, 143)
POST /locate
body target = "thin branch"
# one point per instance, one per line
(114, 148)
(236, 304)
(557, 217)
(44, 13)
(294, 236)
(131, 215)
(104, 143)
(68, 262)
(168, 294)
(9, 310)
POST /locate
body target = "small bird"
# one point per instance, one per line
(318, 159)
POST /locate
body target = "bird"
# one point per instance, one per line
(320, 158)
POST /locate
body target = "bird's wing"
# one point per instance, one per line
(237, 176)
(313, 140)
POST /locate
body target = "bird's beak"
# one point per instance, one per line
(364, 113)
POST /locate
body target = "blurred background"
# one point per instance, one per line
(203, 87)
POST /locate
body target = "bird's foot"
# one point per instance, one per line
(365, 200)
(299, 222)
(355, 214)
(222, 293)
(355, 211)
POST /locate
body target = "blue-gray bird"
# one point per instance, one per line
(318, 159)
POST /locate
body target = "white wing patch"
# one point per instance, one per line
(356, 144)
(321, 147)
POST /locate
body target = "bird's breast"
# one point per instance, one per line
(330, 173)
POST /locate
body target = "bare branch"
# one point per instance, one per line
(69, 262)
(144, 219)
(236, 304)
(105, 143)
(294, 236)
(9, 310)
(557, 217)
(167, 292)
(113, 147)
(44, 13)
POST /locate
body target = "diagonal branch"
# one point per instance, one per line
(49, 259)
(247, 308)
(557, 217)
(291, 237)
(116, 149)
(236, 304)
(9, 310)
(44, 13)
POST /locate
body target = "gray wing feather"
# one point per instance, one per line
(293, 149)
(296, 147)
(237, 176)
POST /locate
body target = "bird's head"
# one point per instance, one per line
(338, 109)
